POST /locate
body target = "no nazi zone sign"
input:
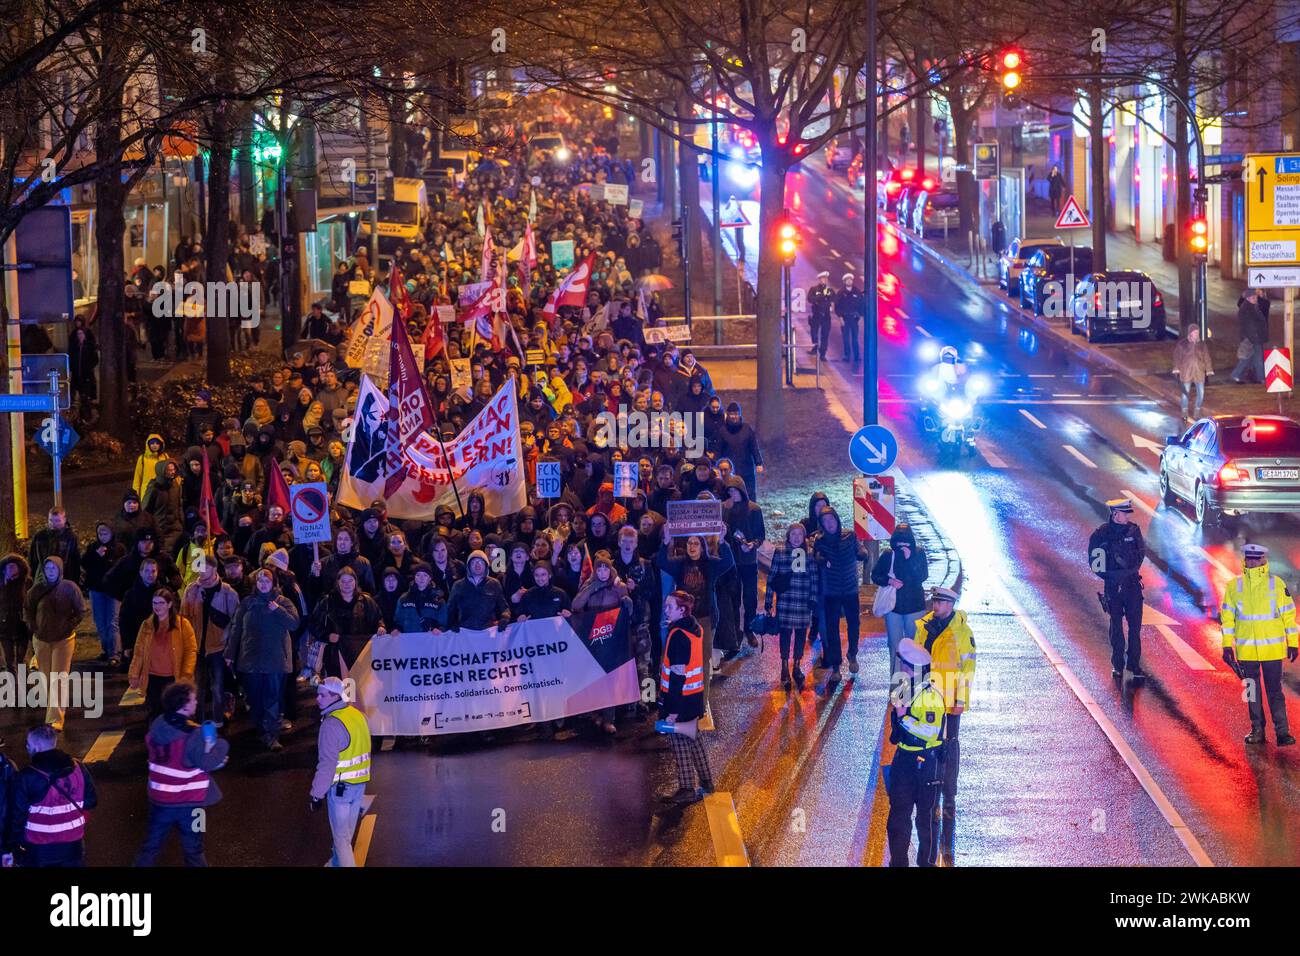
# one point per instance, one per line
(309, 506)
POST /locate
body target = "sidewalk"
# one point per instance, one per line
(1146, 364)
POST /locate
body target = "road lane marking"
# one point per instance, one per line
(991, 456)
(1219, 565)
(103, 746)
(724, 828)
(1080, 455)
(1192, 659)
(1126, 753)
(1139, 503)
(1042, 375)
(365, 832)
(1067, 395)
(1141, 441)
(923, 332)
(903, 315)
(387, 744)
(1031, 418)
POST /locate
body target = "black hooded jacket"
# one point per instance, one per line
(744, 524)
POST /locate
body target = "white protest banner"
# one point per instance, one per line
(486, 457)
(626, 476)
(634, 208)
(696, 516)
(309, 507)
(374, 323)
(453, 682)
(446, 313)
(615, 194)
(658, 334)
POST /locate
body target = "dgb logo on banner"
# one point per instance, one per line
(309, 506)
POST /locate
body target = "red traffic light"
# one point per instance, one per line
(1009, 65)
(788, 240)
(1011, 60)
(1199, 240)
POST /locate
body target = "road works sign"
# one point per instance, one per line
(1072, 217)
(1277, 370)
(1272, 208)
(873, 508)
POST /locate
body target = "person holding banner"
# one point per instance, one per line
(603, 591)
(682, 697)
(477, 601)
(345, 619)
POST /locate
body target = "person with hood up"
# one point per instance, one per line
(714, 422)
(391, 588)
(421, 607)
(48, 799)
(691, 568)
(838, 552)
(15, 635)
(607, 506)
(443, 567)
(275, 532)
(166, 651)
(905, 567)
(745, 531)
(53, 609)
(96, 561)
(163, 500)
(131, 520)
(146, 463)
(179, 751)
(209, 604)
(476, 516)
(260, 649)
(344, 620)
(738, 442)
(699, 480)
(477, 600)
(399, 557)
(794, 595)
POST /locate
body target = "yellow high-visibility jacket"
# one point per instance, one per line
(1258, 616)
(952, 658)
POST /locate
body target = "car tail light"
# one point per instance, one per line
(1096, 303)
(907, 175)
(927, 184)
(1230, 473)
(893, 188)
(1156, 300)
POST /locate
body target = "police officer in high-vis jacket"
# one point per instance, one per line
(1259, 629)
(1115, 554)
(342, 766)
(917, 721)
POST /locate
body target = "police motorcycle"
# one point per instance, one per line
(949, 406)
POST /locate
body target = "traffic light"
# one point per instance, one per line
(1198, 237)
(1010, 65)
(788, 240)
(679, 236)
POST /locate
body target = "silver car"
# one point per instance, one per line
(1232, 465)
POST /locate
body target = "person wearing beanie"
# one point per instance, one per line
(259, 646)
(838, 551)
(131, 519)
(477, 600)
(421, 607)
(344, 620)
(904, 567)
(96, 561)
(738, 441)
(792, 586)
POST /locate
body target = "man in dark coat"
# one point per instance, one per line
(738, 442)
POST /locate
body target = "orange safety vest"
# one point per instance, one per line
(170, 781)
(58, 816)
(694, 670)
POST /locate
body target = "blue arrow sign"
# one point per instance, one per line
(68, 438)
(26, 403)
(873, 449)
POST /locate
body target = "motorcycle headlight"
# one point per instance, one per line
(928, 351)
(978, 385)
(931, 385)
(955, 409)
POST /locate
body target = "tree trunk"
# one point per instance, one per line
(1100, 173)
(1182, 167)
(217, 244)
(922, 121)
(247, 172)
(967, 190)
(688, 167)
(110, 223)
(771, 404)
(397, 144)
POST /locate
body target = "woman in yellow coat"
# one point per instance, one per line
(166, 651)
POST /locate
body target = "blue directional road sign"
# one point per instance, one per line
(68, 437)
(26, 403)
(873, 449)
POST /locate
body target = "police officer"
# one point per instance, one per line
(820, 301)
(1259, 629)
(947, 638)
(849, 303)
(342, 766)
(917, 720)
(1115, 553)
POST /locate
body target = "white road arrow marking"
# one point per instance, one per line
(1143, 442)
(1165, 625)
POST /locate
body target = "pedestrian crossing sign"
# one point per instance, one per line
(1072, 217)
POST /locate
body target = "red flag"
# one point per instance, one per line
(399, 296)
(208, 505)
(478, 316)
(571, 292)
(409, 409)
(277, 489)
(434, 340)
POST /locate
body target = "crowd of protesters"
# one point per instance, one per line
(249, 615)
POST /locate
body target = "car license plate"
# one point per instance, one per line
(1266, 474)
(1130, 303)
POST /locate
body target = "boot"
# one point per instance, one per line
(1255, 737)
(798, 677)
(785, 676)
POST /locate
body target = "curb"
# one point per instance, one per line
(1062, 337)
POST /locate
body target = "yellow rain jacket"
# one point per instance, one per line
(952, 658)
(1258, 616)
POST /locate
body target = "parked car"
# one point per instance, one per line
(1012, 261)
(890, 185)
(1232, 465)
(1051, 270)
(936, 211)
(1117, 302)
(856, 176)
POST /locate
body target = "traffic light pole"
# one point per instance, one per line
(870, 287)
